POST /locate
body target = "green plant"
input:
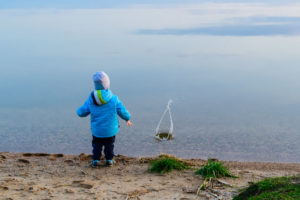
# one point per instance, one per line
(165, 163)
(272, 188)
(214, 169)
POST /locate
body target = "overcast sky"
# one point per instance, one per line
(117, 3)
(254, 40)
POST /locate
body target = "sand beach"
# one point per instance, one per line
(59, 176)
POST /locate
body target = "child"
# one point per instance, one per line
(104, 108)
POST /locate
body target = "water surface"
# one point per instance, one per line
(231, 70)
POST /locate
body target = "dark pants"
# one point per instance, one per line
(108, 144)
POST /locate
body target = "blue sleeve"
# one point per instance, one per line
(84, 110)
(122, 111)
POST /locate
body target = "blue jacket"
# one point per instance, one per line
(104, 108)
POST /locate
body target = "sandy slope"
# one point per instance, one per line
(44, 176)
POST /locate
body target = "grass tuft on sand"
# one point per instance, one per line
(272, 188)
(214, 169)
(167, 163)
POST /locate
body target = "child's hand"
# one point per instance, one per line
(128, 123)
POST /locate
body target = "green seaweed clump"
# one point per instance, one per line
(166, 163)
(164, 135)
(214, 169)
(284, 188)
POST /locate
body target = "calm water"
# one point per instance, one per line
(232, 71)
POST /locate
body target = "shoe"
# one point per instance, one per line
(94, 163)
(110, 163)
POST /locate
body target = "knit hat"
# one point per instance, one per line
(101, 81)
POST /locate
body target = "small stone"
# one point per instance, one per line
(189, 190)
(69, 191)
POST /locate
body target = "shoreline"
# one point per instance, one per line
(181, 157)
(63, 176)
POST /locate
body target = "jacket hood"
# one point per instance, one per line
(101, 97)
(101, 81)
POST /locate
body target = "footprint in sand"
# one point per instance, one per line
(80, 183)
(23, 161)
(69, 161)
(3, 188)
(86, 186)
